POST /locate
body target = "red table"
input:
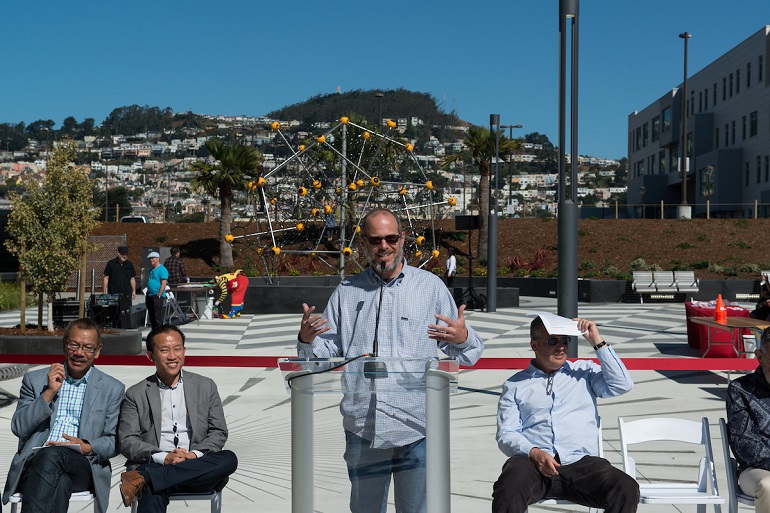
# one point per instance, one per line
(698, 334)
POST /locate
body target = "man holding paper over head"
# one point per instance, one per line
(66, 421)
(547, 424)
(385, 431)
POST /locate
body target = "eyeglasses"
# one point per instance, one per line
(377, 241)
(552, 341)
(73, 347)
(176, 437)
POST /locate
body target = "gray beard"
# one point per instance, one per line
(391, 267)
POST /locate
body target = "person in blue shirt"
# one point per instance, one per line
(156, 290)
(385, 431)
(547, 424)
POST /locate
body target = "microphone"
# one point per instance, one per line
(375, 369)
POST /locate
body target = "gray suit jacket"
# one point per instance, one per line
(98, 424)
(141, 418)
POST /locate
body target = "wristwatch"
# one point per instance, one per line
(600, 345)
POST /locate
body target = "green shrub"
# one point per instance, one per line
(10, 296)
(480, 271)
(700, 265)
(716, 269)
(741, 223)
(656, 267)
(685, 245)
(582, 232)
(521, 273)
(586, 265)
(750, 268)
(639, 265)
(741, 245)
(160, 239)
(457, 236)
(504, 270)
(704, 238)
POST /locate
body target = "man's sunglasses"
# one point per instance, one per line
(377, 241)
(552, 341)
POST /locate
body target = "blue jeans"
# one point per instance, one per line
(370, 470)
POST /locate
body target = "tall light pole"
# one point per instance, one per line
(510, 160)
(494, 150)
(567, 283)
(684, 211)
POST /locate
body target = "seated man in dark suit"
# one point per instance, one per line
(172, 429)
(69, 404)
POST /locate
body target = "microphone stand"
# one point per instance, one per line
(374, 369)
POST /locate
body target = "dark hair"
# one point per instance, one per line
(85, 325)
(174, 250)
(375, 212)
(163, 328)
(537, 328)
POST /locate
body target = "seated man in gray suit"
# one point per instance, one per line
(71, 411)
(172, 429)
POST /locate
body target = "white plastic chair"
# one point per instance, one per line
(675, 430)
(643, 283)
(554, 502)
(735, 494)
(214, 496)
(15, 499)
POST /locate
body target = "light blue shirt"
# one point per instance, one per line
(69, 407)
(566, 421)
(409, 303)
(154, 280)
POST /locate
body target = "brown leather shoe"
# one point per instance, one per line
(131, 485)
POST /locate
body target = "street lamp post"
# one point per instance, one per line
(567, 284)
(510, 161)
(494, 150)
(684, 211)
(709, 172)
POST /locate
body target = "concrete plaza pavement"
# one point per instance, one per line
(257, 406)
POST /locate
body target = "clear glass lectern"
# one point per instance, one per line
(305, 377)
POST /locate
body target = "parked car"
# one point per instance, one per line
(134, 219)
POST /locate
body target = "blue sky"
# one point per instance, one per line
(83, 58)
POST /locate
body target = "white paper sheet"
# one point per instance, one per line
(556, 324)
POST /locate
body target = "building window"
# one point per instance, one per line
(731, 85)
(645, 135)
(652, 164)
(715, 93)
(638, 138)
(759, 169)
(724, 88)
(737, 81)
(655, 128)
(662, 161)
(743, 128)
(700, 103)
(767, 168)
(692, 103)
(753, 124)
(666, 120)
(716, 138)
(746, 172)
(706, 98)
(727, 135)
(732, 134)
(748, 75)
(640, 167)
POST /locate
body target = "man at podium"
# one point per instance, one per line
(390, 310)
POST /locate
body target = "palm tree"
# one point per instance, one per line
(233, 167)
(477, 150)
